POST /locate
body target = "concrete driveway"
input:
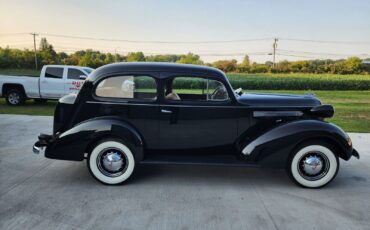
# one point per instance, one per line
(38, 193)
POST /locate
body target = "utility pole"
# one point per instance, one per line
(274, 46)
(34, 47)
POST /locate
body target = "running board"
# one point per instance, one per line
(196, 159)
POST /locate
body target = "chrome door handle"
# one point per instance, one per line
(166, 111)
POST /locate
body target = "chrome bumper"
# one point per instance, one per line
(355, 154)
(37, 149)
(42, 143)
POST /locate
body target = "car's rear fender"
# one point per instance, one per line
(75, 142)
(273, 147)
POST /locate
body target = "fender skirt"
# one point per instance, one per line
(273, 147)
(72, 144)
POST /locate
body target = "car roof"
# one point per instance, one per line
(123, 67)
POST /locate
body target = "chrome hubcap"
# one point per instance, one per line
(313, 166)
(112, 162)
(13, 98)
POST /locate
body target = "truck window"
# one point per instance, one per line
(54, 72)
(74, 74)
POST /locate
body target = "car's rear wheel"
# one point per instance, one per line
(15, 97)
(111, 162)
(313, 165)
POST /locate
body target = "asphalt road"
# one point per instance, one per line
(38, 193)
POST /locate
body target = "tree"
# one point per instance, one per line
(47, 54)
(226, 65)
(353, 65)
(135, 57)
(190, 59)
(244, 66)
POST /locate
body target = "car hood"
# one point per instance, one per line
(278, 100)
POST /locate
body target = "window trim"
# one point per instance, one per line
(125, 100)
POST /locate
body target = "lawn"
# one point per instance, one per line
(27, 72)
(352, 108)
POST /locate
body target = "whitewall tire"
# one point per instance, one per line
(313, 165)
(111, 162)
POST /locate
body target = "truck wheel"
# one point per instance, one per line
(40, 100)
(111, 162)
(313, 165)
(15, 97)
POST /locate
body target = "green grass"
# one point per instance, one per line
(28, 72)
(352, 108)
(29, 108)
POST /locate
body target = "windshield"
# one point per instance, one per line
(88, 70)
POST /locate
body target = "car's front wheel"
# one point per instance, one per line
(111, 162)
(313, 165)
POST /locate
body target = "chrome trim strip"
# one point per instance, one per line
(277, 113)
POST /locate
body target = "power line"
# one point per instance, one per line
(12, 34)
(191, 42)
(152, 41)
(292, 55)
(307, 52)
(327, 41)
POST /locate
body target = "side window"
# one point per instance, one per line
(130, 87)
(75, 74)
(54, 72)
(195, 89)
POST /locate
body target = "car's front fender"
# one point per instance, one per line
(73, 143)
(274, 146)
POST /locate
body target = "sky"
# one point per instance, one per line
(344, 24)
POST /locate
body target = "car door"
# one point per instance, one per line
(52, 82)
(133, 98)
(74, 80)
(191, 120)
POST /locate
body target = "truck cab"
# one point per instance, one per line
(57, 81)
(54, 82)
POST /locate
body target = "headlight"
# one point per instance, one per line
(349, 141)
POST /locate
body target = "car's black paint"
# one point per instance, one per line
(277, 100)
(72, 144)
(268, 125)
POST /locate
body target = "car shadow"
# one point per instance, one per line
(195, 175)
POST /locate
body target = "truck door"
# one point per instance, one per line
(52, 82)
(74, 81)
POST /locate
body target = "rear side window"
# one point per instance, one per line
(128, 87)
(54, 72)
(75, 74)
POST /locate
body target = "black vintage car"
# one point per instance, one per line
(128, 114)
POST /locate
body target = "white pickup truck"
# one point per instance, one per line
(54, 82)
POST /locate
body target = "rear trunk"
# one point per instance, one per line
(63, 112)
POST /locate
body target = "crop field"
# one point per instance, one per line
(300, 81)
